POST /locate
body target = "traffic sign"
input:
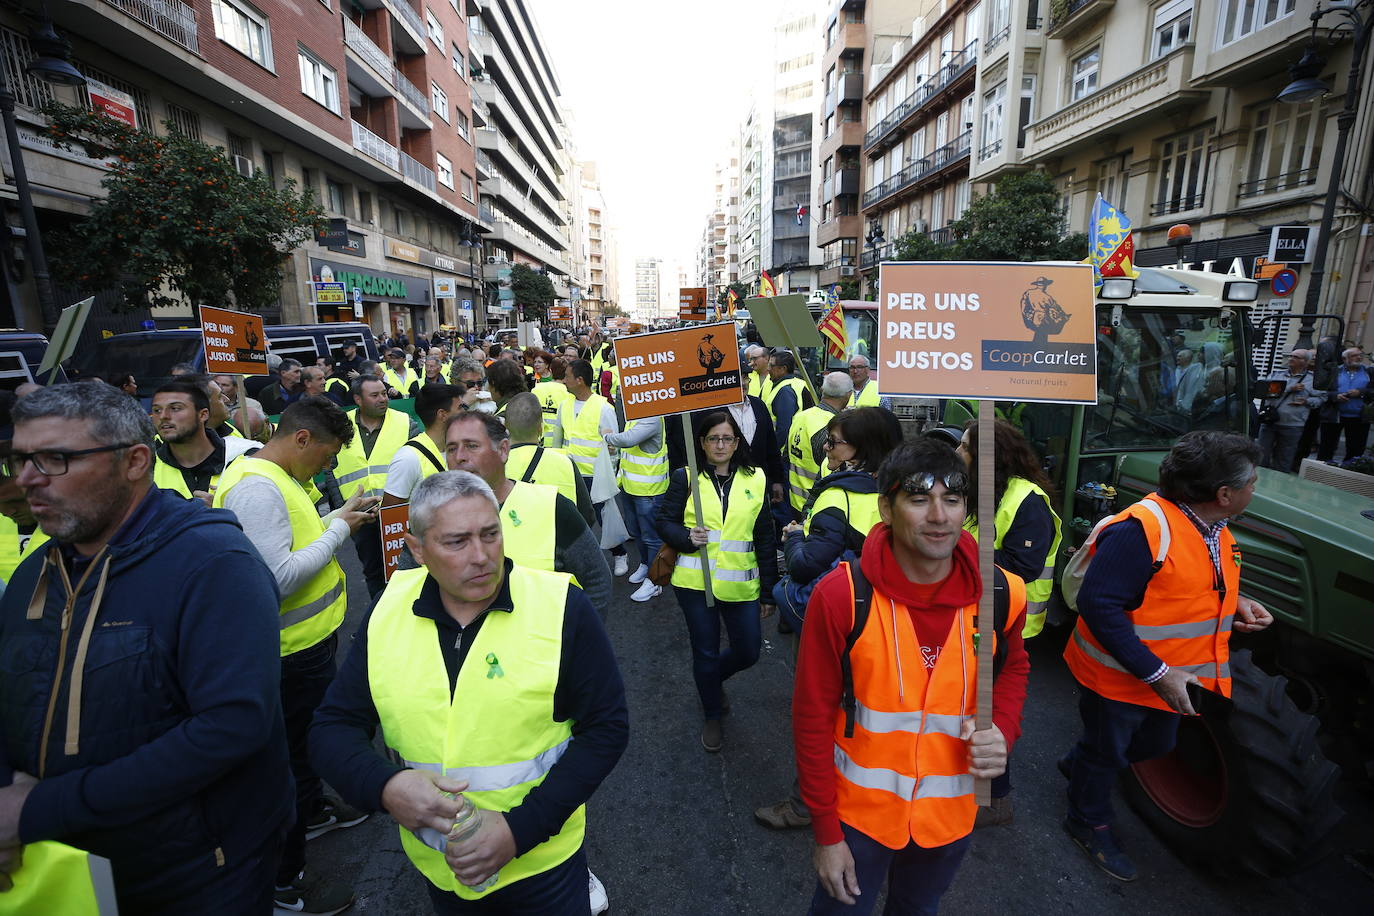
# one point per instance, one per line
(1283, 282)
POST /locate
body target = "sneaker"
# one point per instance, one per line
(646, 591)
(1101, 846)
(640, 574)
(712, 735)
(782, 816)
(600, 902)
(321, 898)
(332, 814)
(622, 565)
(997, 814)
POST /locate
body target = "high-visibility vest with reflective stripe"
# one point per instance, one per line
(582, 431)
(645, 473)
(803, 470)
(355, 467)
(795, 384)
(527, 524)
(315, 610)
(337, 387)
(57, 878)
(730, 550)
(10, 553)
(1038, 590)
(550, 394)
(401, 382)
(169, 477)
(1184, 619)
(555, 468)
(865, 397)
(860, 509)
(759, 386)
(425, 445)
(495, 730)
(903, 775)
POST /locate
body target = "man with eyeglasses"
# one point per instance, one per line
(19, 531)
(181, 779)
(865, 389)
(806, 447)
(759, 381)
(888, 657)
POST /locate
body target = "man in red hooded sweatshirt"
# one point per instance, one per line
(887, 763)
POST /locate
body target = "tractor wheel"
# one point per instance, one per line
(1246, 789)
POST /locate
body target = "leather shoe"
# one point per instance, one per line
(782, 816)
(712, 735)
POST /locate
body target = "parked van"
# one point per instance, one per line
(21, 353)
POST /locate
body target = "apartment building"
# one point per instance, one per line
(648, 299)
(717, 263)
(1169, 110)
(841, 118)
(368, 104)
(751, 200)
(920, 110)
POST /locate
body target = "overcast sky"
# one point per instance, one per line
(655, 89)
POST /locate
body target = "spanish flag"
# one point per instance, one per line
(732, 302)
(767, 288)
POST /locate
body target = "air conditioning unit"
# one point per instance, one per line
(244, 165)
(921, 225)
(493, 259)
(846, 271)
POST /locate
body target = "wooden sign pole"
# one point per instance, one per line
(694, 483)
(246, 432)
(987, 411)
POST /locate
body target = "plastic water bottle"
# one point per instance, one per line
(467, 822)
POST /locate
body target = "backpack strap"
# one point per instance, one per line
(528, 476)
(863, 595)
(438, 465)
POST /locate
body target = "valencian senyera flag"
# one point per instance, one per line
(767, 288)
(732, 302)
(832, 329)
(1111, 248)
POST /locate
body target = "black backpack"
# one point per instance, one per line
(863, 595)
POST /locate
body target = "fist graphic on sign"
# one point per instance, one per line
(1040, 312)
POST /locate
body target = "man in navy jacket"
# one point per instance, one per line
(140, 715)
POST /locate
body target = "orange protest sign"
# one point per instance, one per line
(997, 331)
(691, 303)
(394, 522)
(235, 343)
(668, 372)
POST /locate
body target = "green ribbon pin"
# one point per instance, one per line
(494, 666)
(976, 636)
(515, 519)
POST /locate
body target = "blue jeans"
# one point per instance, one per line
(560, 891)
(1115, 735)
(916, 877)
(639, 513)
(710, 664)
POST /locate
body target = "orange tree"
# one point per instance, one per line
(177, 216)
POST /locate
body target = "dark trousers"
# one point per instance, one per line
(916, 877)
(1307, 439)
(305, 676)
(1356, 433)
(1115, 735)
(560, 891)
(367, 540)
(241, 889)
(711, 665)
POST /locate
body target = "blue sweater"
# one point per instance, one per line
(182, 753)
(1120, 572)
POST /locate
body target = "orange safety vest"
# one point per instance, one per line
(905, 752)
(1183, 619)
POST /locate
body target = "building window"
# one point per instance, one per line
(1173, 27)
(365, 206)
(335, 196)
(460, 121)
(1182, 173)
(459, 67)
(1083, 74)
(1285, 148)
(963, 191)
(184, 122)
(1112, 176)
(465, 180)
(994, 114)
(438, 100)
(436, 31)
(244, 29)
(454, 4)
(1023, 117)
(443, 167)
(319, 81)
(1239, 18)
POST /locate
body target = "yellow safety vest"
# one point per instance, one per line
(867, 397)
(495, 730)
(582, 431)
(555, 468)
(10, 554)
(355, 467)
(401, 383)
(316, 609)
(169, 477)
(1038, 590)
(792, 382)
(644, 473)
(730, 550)
(802, 468)
(57, 878)
(759, 386)
(551, 394)
(431, 462)
(527, 525)
(860, 509)
(338, 387)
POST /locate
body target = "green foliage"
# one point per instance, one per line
(723, 297)
(533, 292)
(178, 216)
(849, 289)
(611, 310)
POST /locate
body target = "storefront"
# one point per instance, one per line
(389, 301)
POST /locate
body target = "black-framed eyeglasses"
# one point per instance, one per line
(922, 482)
(831, 442)
(721, 440)
(55, 463)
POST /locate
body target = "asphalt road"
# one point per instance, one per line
(672, 830)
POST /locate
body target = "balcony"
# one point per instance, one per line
(847, 181)
(784, 140)
(851, 87)
(385, 76)
(960, 65)
(1069, 17)
(988, 150)
(871, 256)
(1150, 93)
(920, 171)
(513, 164)
(846, 134)
(785, 170)
(373, 146)
(407, 14)
(1277, 184)
(479, 40)
(416, 171)
(850, 38)
(172, 20)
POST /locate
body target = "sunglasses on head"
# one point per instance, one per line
(923, 482)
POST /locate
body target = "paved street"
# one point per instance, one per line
(672, 830)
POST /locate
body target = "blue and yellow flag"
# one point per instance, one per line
(1111, 247)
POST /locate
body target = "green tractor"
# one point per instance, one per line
(1255, 774)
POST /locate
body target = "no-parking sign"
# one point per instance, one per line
(1282, 283)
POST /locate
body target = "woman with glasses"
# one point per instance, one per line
(735, 534)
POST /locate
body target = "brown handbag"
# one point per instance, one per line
(661, 569)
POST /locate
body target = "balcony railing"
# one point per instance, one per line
(408, 13)
(958, 65)
(369, 144)
(417, 171)
(997, 39)
(989, 150)
(872, 256)
(1276, 183)
(409, 91)
(792, 169)
(169, 18)
(356, 39)
(942, 158)
(1177, 205)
